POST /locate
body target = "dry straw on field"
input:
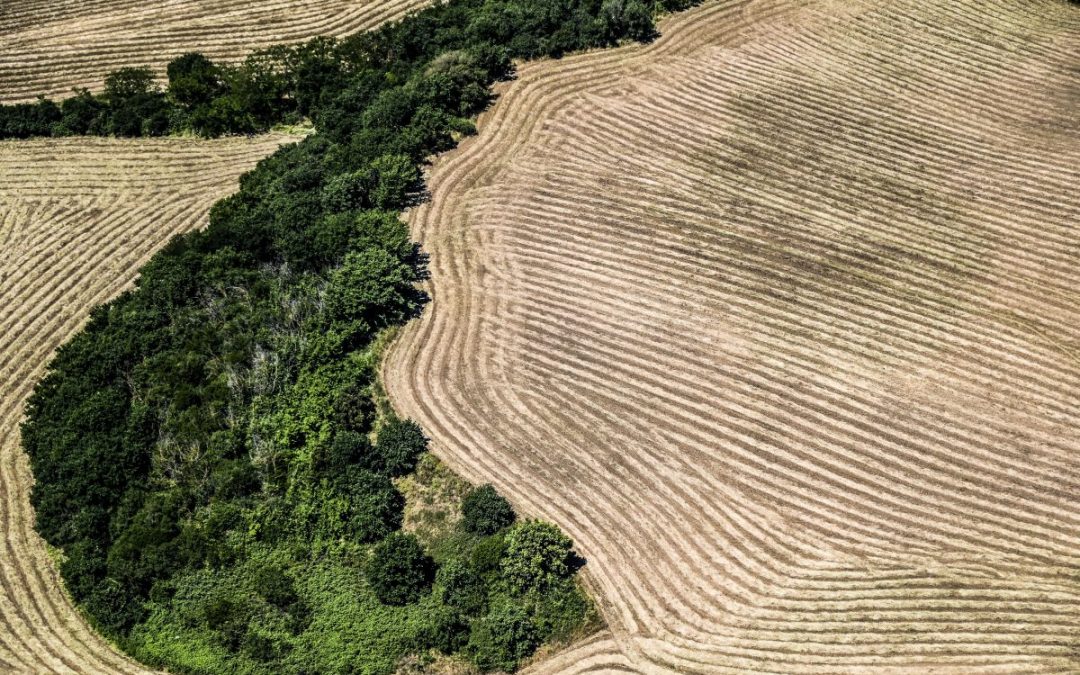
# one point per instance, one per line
(778, 318)
(77, 219)
(49, 48)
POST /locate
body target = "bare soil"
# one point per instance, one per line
(778, 318)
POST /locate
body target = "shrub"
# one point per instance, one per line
(346, 192)
(503, 638)
(348, 448)
(399, 446)
(24, 120)
(399, 571)
(484, 511)
(228, 618)
(487, 556)
(373, 506)
(392, 178)
(561, 610)
(444, 629)
(81, 114)
(128, 83)
(538, 556)
(460, 586)
(234, 479)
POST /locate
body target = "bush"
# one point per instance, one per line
(461, 587)
(228, 618)
(392, 178)
(538, 556)
(277, 588)
(346, 192)
(126, 84)
(484, 511)
(348, 448)
(81, 114)
(445, 630)
(487, 556)
(561, 610)
(24, 120)
(373, 507)
(503, 639)
(399, 446)
(399, 571)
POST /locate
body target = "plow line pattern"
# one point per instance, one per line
(777, 318)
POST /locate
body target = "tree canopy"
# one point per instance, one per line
(485, 511)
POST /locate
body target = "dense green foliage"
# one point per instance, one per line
(503, 638)
(399, 571)
(208, 452)
(485, 511)
(538, 556)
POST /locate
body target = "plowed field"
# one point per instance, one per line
(778, 318)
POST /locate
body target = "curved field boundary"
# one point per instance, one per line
(78, 217)
(49, 48)
(777, 318)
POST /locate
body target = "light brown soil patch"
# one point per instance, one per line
(778, 318)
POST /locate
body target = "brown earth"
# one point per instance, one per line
(77, 219)
(778, 318)
(48, 48)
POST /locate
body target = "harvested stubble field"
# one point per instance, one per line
(77, 219)
(50, 48)
(778, 318)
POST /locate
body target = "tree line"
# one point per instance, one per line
(208, 451)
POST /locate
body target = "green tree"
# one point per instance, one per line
(228, 618)
(538, 556)
(24, 120)
(373, 506)
(128, 83)
(348, 448)
(346, 192)
(399, 571)
(371, 285)
(392, 178)
(484, 511)
(443, 629)
(126, 123)
(222, 115)
(194, 80)
(82, 114)
(399, 446)
(626, 19)
(487, 555)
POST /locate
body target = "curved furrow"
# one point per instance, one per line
(776, 317)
